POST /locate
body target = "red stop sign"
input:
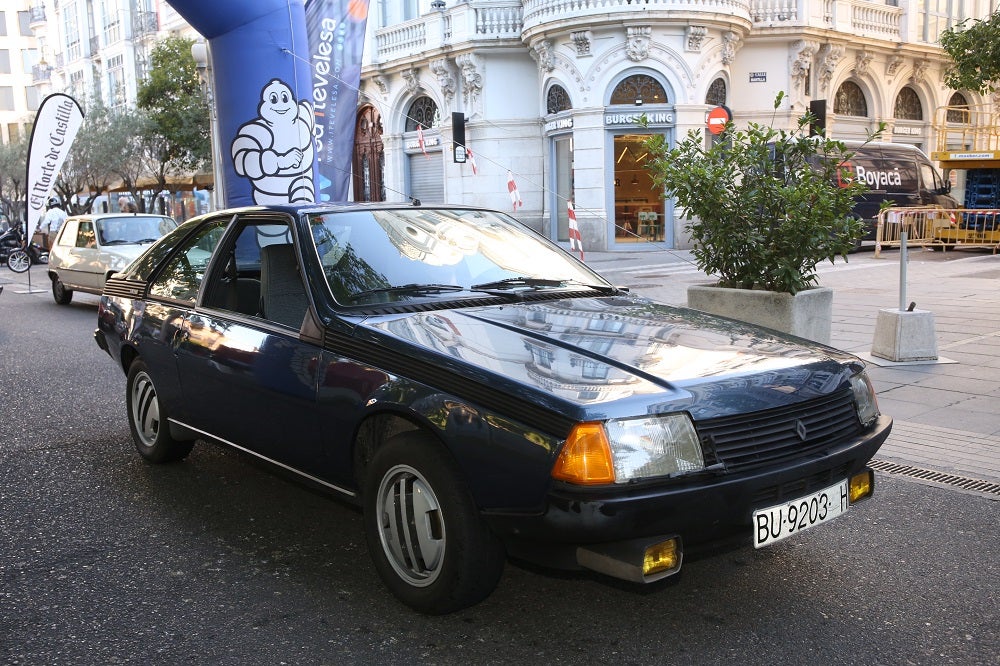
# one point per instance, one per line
(717, 119)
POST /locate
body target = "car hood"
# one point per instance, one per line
(612, 356)
(125, 252)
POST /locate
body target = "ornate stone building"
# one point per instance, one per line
(553, 92)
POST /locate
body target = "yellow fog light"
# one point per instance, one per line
(861, 485)
(662, 557)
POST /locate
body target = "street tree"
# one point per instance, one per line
(129, 159)
(13, 157)
(88, 166)
(177, 138)
(974, 47)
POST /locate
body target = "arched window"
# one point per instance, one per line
(557, 100)
(424, 112)
(908, 105)
(639, 89)
(958, 109)
(850, 101)
(716, 95)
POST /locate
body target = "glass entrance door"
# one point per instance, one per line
(639, 209)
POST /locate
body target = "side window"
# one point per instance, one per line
(259, 276)
(85, 235)
(929, 178)
(181, 278)
(68, 236)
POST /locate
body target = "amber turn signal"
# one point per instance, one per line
(585, 459)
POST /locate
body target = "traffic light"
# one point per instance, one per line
(817, 125)
(458, 136)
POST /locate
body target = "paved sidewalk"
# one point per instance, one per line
(947, 414)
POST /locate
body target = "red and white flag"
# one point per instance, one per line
(472, 160)
(515, 196)
(420, 140)
(575, 239)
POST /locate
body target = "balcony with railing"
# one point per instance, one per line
(573, 15)
(864, 18)
(474, 23)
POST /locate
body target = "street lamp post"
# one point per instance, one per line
(203, 59)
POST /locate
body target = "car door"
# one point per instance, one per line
(78, 251)
(250, 375)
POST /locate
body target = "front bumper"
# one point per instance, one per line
(706, 512)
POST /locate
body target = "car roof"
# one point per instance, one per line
(115, 216)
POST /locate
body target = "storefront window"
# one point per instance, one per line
(562, 147)
(638, 206)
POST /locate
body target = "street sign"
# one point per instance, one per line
(717, 119)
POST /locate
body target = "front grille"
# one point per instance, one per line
(775, 435)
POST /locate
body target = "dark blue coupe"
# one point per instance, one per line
(481, 393)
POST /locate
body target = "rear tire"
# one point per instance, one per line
(60, 293)
(425, 534)
(147, 418)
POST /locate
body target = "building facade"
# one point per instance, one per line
(562, 94)
(19, 58)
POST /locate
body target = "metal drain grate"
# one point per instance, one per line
(963, 482)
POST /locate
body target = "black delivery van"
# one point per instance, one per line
(895, 172)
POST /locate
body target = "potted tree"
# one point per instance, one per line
(764, 207)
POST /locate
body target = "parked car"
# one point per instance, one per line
(89, 248)
(481, 393)
(897, 173)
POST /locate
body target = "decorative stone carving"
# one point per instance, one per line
(412, 78)
(445, 73)
(730, 42)
(862, 62)
(472, 80)
(829, 58)
(637, 42)
(542, 52)
(920, 68)
(382, 84)
(695, 36)
(893, 64)
(581, 40)
(802, 52)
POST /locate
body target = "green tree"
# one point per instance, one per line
(177, 137)
(974, 47)
(13, 158)
(764, 204)
(88, 167)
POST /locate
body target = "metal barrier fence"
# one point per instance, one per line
(939, 228)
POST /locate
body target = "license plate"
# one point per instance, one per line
(783, 520)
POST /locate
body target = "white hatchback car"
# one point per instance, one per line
(89, 248)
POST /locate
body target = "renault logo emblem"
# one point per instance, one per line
(800, 429)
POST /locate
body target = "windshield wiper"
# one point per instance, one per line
(536, 283)
(511, 282)
(408, 289)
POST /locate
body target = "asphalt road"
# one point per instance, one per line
(215, 560)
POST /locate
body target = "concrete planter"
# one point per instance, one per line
(807, 314)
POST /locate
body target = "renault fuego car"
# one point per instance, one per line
(89, 248)
(481, 393)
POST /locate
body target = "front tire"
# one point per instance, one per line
(60, 293)
(147, 418)
(18, 261)
(425, 534)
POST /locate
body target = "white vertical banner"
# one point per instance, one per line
(58, 120)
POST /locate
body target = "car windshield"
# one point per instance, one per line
(132, 229)
(391, 255)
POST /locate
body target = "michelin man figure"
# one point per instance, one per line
(275, 150)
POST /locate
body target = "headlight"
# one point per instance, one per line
(864, 398)
(622, 450)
